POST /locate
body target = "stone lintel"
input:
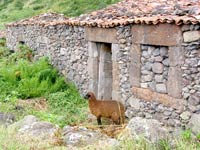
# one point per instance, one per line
(101, 35)
(150, 96)
(135, 64)
(160, 34)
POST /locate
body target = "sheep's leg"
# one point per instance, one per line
(122, 119)
(115, 118)
(99, 120)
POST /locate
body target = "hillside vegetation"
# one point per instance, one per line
(12, 10)
(34, 87)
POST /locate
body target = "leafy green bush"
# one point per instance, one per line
(28, 78)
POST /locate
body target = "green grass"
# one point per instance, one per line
(12, 10)
(21, 77)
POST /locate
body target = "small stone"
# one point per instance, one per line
(144, 85)
(122, 46)
(145, 72)
(192, 91)
(150, 49)
(185, 115)
(148, 78)
(166, 62)
(161, 88)
(129, 113)
(171, 122)
(141, 114)
(160, 108)
(186, 95)
(148, 66)
(185, 28)
(63, 51)
(163, 51)
(6, 118)
(156, 52)
(194, 123)
(152, 86)
(134, 103)
(191, 36)
(158, 58)
(174, 114)
(192, 108)
(148, 116)
(194, 100)
(159, 78)
(157, 68)
(145, 54)
(167, 113)
(122, 41)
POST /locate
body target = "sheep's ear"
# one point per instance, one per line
(87, 96)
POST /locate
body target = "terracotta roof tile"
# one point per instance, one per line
(132, 12)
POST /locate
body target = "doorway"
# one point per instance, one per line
(105, 76)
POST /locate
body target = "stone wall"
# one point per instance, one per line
(164, 70)
(155, 67)
(124, 38)
(64, 45)
(191, 67)
(171, 62)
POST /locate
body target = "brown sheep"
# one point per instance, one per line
(106, 108)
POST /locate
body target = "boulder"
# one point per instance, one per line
(31, 125)
(6, 118)
(82, 137)
(148, 128)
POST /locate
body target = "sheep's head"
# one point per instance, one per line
(89, 95)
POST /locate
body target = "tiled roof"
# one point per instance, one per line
(138, 12)
(42, 19)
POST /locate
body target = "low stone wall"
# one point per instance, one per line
(64, 45)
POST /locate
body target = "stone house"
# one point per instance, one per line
(144, 53)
